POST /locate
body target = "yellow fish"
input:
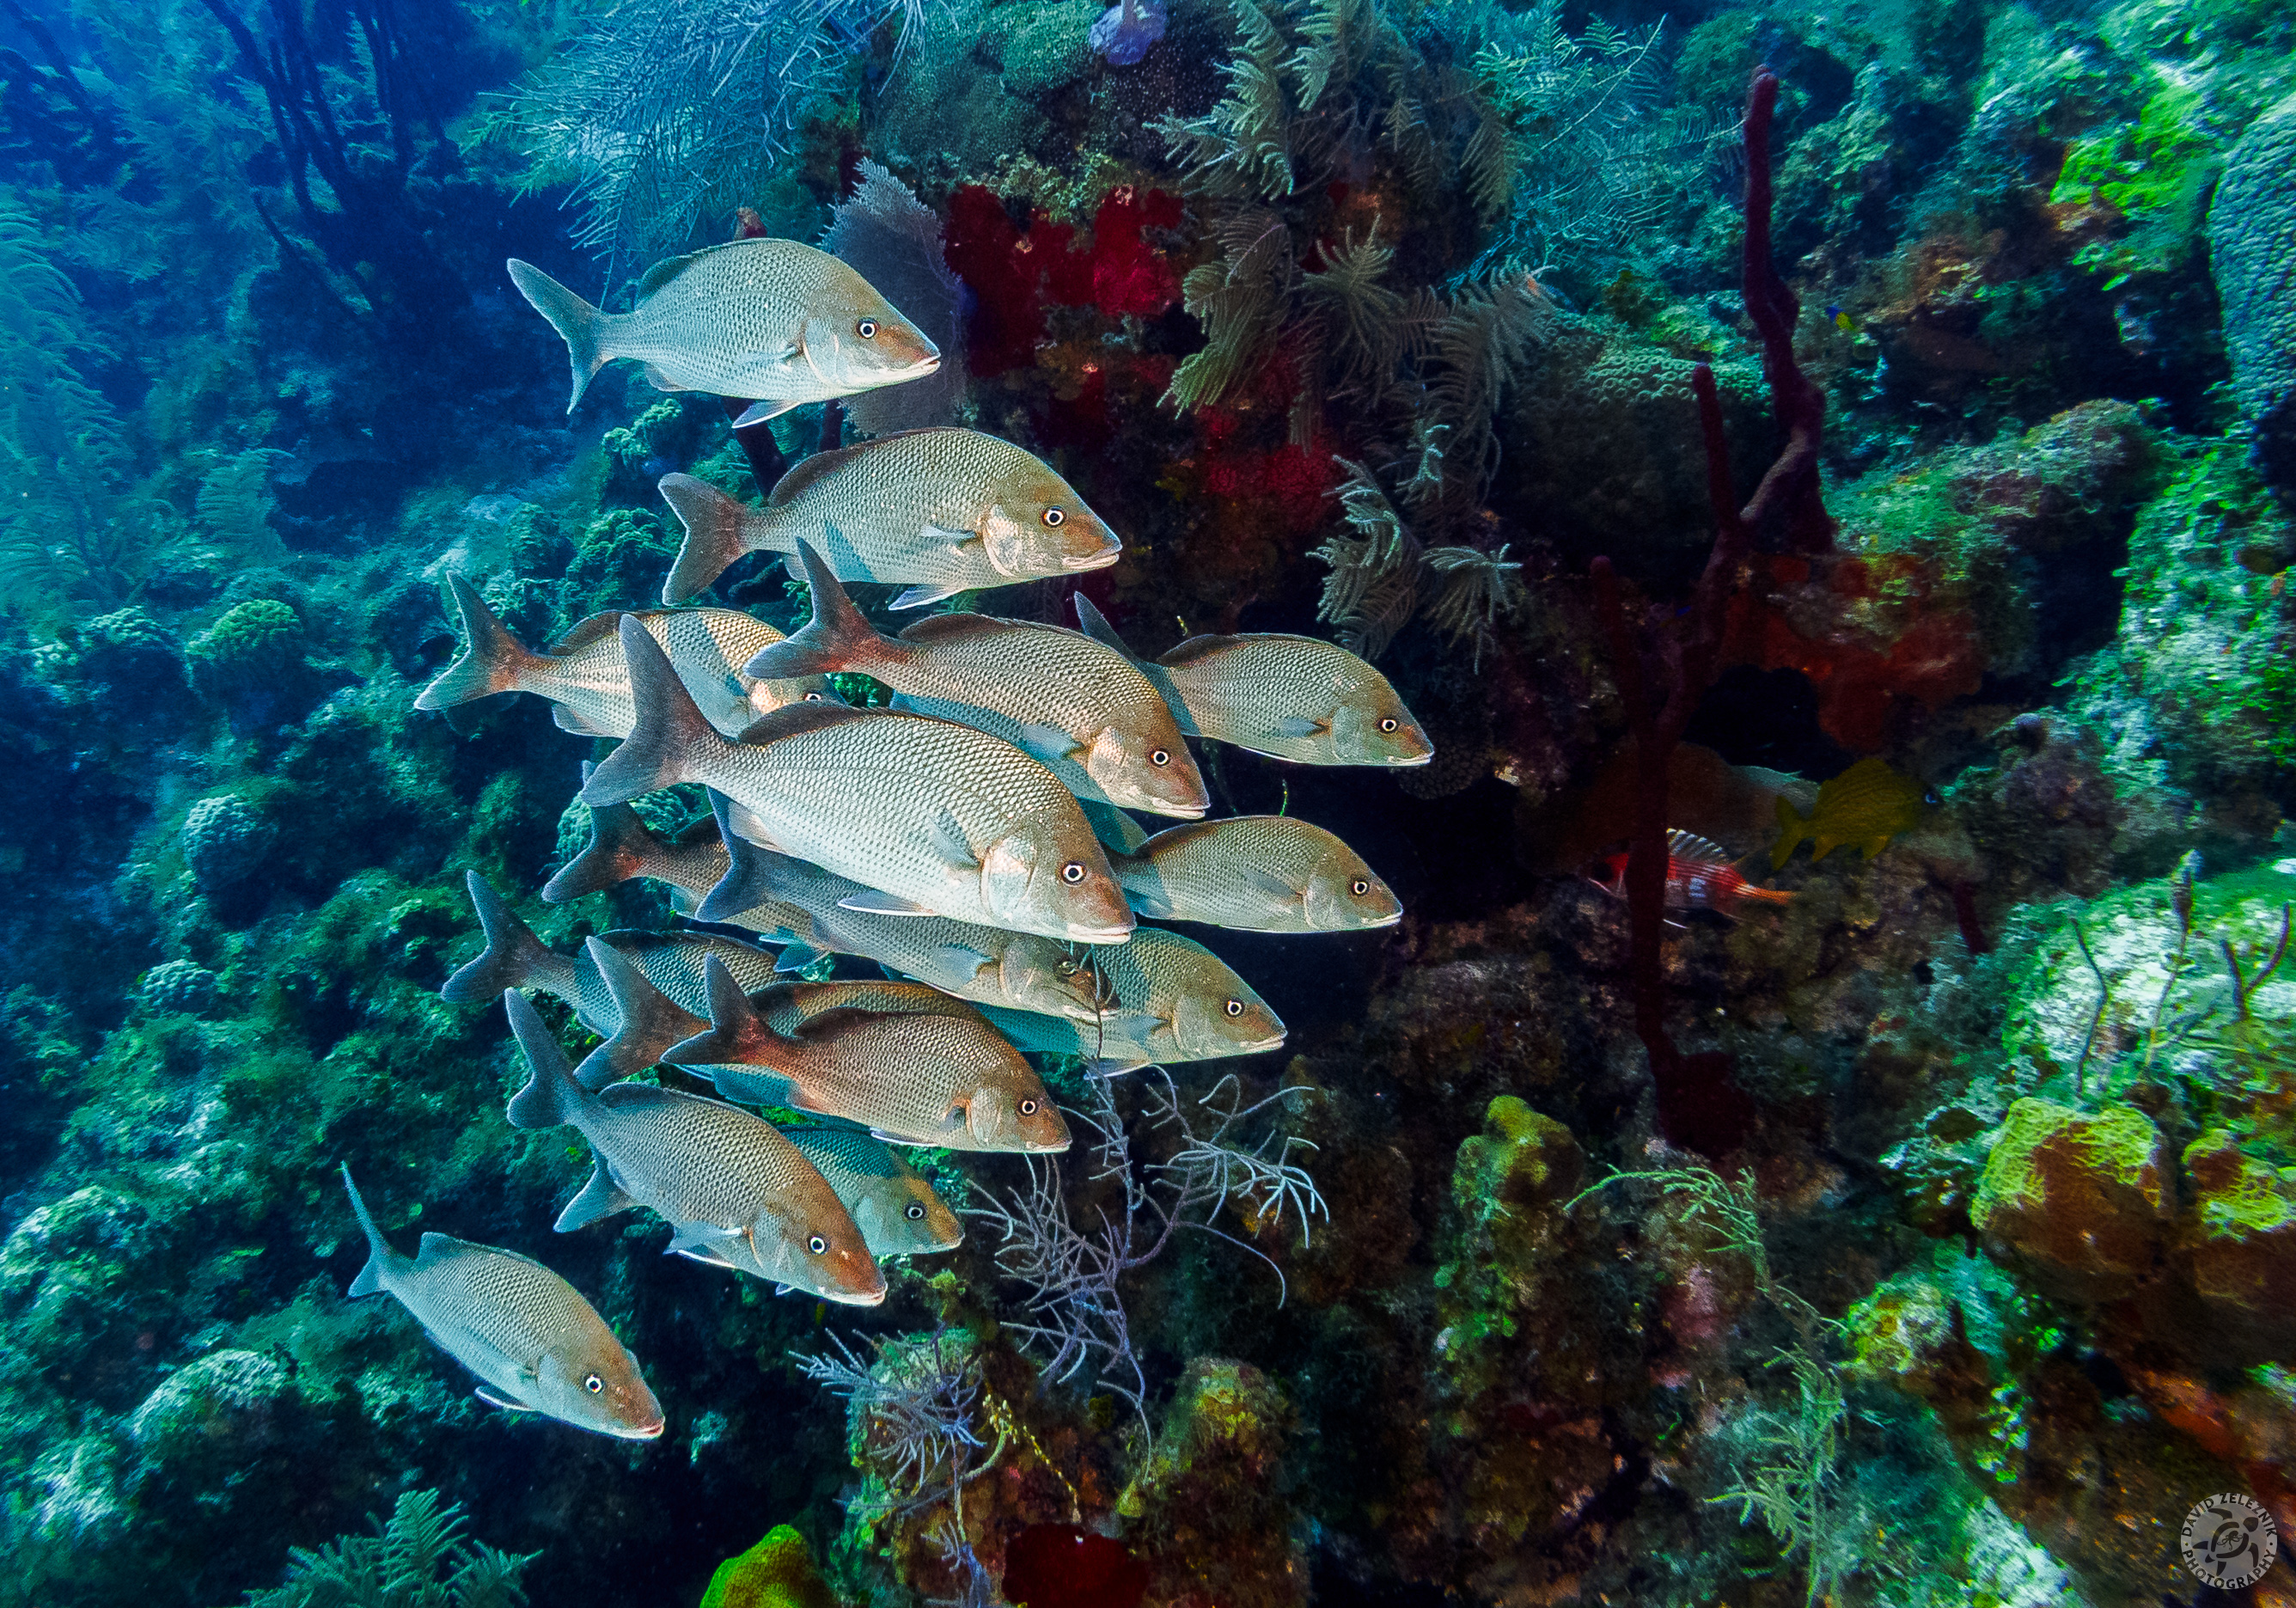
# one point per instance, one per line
(1867, 805)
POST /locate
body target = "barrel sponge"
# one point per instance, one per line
(2252, 240)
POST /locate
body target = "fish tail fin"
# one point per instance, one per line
(578, 324)
(651, 1023)
(492, 659)
(1792, 827)
(737, 1034)
(840, 636)
(369, 1281)
(619, 848)
(714, 535)
(671, 738)
(513, 956)
(748, 881)
(548, 1099)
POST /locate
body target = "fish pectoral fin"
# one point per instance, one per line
(707, 1256)
(1048, 742)
(796, 957)
(758, 413)
(961, 957)
(878, 903)
(917, 597)
(1267, 882)
(495, 1399)
(1298, 726)
(1115, 1066)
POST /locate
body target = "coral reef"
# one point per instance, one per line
(1924, 1238)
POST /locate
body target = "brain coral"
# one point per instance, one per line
(260, 640)
(180, 984)
(2253, 235)
(224, 842)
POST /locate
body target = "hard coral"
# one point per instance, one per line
(2252, 241)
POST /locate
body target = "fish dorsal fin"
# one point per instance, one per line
(595, 628)
(1192, 649)
(964, 628)
(795, 720)
(1689, 845)
(805, 473)
(1095, 625)
(670, 268)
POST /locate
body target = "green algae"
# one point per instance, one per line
(777, 1572)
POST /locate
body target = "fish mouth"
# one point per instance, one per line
(1094, 561)
(1384, 920)
(1426, 759)
(922, 366)
(1257, 1045)
(1099, 935)
(649, 1431)
(857, 1298)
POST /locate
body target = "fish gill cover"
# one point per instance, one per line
(1542, 482)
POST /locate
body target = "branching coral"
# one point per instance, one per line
(664, 114)
(1074, 1311)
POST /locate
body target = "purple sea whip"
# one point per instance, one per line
(1699, 1106)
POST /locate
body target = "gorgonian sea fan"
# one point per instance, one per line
(668, 114)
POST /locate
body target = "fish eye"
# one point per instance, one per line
(593, 1384)
(1235, 1007)
(1054, 518)
(816, 1245)
(1387, 725)
(866, 329)
(1160, 758)
(1073, 872)
(813, 697)
(1028, 1109)
(1359, 887)
(915, 1211)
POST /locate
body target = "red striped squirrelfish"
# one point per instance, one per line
(1700, 875)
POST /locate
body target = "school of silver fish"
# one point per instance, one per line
(970, 840)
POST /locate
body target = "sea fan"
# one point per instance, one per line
(893, 240)
(1241, 300)
(665, 113)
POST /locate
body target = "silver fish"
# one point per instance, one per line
(897, 1212)
(1296, 698)
(539, 1347)
(1171, 1000)
(653, 1022)
(1259, 873)
(1082, 708)
(937, 511)
(769, 319)
(736, 1193)
(939, 818)
(515, 958)
(910, 1079)
(583, 677)
(791, 902)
